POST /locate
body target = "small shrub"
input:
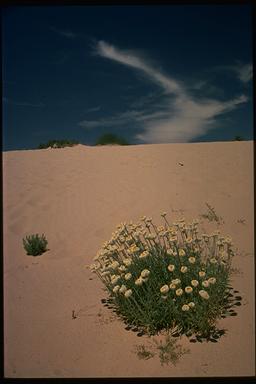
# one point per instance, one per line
(168, 278)
(143, 353)
(58, 144)
(211, 215)
(35, 245)
(110, 138)
(169, 350)
(238, 138)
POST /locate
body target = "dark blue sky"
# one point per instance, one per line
(151, 74)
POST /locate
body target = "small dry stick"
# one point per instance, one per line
(73, 315)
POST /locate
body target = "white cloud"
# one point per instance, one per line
(180, 118)
(244, 73)
(127, 58)
(65, 33)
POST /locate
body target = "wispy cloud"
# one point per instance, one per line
(93, 109)
(180, 118)
(242, 71)
(65, 33)
(22, 103)
(129, 59)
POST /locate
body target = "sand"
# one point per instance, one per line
(77, 196)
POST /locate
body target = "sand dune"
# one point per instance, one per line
(77, 196)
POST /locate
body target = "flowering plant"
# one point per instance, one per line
(168, 277)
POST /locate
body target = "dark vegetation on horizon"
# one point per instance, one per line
(105, 139)
(58, 144)
(110, 138)
(238, 138)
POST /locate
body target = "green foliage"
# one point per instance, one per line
(238, 138)
(168, 278)
(169, 350)
(58, 144)
(143, 353)
(35, 245)
(211, 215)
(110, 138)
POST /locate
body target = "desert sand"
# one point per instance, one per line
(76, 197)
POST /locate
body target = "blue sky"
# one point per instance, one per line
(151, 74)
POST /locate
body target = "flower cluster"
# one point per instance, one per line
(171, 267)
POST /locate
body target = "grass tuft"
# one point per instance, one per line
(35, 245)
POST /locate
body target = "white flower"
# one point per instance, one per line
(114, 265)
(127, 262)
(205, 284)
(194, 283)
(201, 273)
(145, 273)
(192, 260)
(179, 292)
(123, 289)
(213, 261)
(128, 276)
(164, 289)
(223, 254)
(185, 307)
(144, 254)
(204, 294)
(188, 289)
(116, 288)
(128, 293)
(122, 268)
(172, 286)
(115, 280)
(171, 267)
(182, 252)
(176, 281)
(139, 281)
(212, 280)
(184, 269)
(228, 240)
(191, 304)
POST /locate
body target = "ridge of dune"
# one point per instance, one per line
(77, 196)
